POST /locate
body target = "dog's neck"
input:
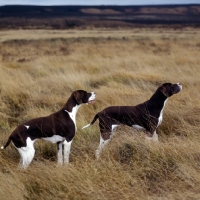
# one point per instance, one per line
(71, 105)
(72, 114)
(158, 97)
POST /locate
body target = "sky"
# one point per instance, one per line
(97, 2)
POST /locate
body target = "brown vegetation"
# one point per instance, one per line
(39, 70)
(84, 17)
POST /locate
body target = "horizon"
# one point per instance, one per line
(174, 4)
(97, 3)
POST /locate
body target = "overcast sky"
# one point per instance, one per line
(97, 2)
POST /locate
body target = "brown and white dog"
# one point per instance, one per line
(59, 127)
(145, 116)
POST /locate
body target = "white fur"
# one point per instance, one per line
(180, 86)
(153, 138)
(105, 142)
(92, 97)
(86, 126)
(72, 114)
(101, 146)
(161, 114)
(67, 147)
(138, 127)
(26, 153)
(114, 126)
(27, 126)
(60, 159)
(54, 138)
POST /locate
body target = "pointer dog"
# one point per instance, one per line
(146, 116)
(59, 127)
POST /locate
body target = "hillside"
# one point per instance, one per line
(65, 17)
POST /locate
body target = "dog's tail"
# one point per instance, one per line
(95, 118)
(7, 143)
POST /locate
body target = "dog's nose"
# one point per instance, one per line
(180, 86)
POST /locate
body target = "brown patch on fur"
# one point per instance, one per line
(106, 135)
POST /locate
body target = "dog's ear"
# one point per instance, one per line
(78, 97)
(164, 90)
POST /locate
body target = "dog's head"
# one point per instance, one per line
(168, 89)
(82, 97)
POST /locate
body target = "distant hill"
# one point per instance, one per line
(64, 17)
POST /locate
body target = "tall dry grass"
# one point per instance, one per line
(124, 67)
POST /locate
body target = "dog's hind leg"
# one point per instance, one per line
(26, 154)
(114, 127)
(67, 147)
(104, 140)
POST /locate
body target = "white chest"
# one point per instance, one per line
(160, 118)
(161, 114)
(72, 114)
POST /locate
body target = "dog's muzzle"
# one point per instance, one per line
(92, 98)
(180, 86)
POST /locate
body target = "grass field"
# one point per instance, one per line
(38, 71)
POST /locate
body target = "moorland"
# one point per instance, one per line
(84, 17)
(39, 68)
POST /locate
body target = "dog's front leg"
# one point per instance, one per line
(67, 147)
(155, 137)
(152, 137)
(60, 157)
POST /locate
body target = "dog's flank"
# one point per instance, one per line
(59, 127)
(146, 116)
